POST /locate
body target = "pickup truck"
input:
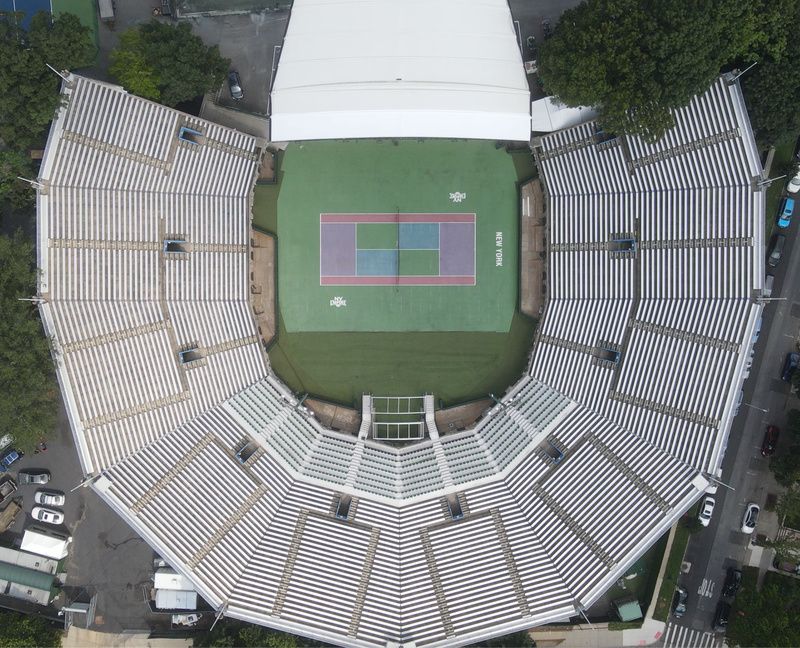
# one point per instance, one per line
(9, 457)
(7, 486)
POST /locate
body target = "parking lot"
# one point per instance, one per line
(106, 556)
(249, 41)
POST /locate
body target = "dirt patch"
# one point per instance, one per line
(461, 417)
(533, 249)
(262, 283)
(335, 416)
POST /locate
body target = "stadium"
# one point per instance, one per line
(396, 182)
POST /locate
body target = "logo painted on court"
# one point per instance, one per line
(338, 302)
(458, 196)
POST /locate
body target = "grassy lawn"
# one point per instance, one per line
(340, 365)
(783, 155)
(672, 571)
(86, 10)
(641, 587)
(455, 366)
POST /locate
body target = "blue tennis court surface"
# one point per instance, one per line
(26, 7)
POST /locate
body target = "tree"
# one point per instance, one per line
(766, 617)
(167, 63)
(16, 193)
(235, 634)
(28, 89)
(786, 466)
(637, 60)
(20, 631)
(28, 391)
(772, 94)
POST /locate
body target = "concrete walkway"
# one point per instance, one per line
(80, 638)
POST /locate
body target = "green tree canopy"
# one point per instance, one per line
(637, 60)
(236, 634)
(167, 63)
(766, 617)
(28, 89)
(15, 192)
(28, 391)
(772, 88)
(20, 631)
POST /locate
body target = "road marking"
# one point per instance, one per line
(706, 588)
(676, 636)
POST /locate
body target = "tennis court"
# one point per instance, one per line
(402, 249)
(403, 235)
(25, 8)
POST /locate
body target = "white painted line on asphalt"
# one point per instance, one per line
(706, 588)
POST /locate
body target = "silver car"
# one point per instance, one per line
(47, 515)
(49, 498)
(769, 280)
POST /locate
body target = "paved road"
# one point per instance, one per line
(766, 400)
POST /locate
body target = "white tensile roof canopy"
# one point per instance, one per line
(417, 68)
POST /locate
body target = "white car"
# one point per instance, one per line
(47, 515)
(49, 498)
(750, 518)
(706, 510)
(793, 185)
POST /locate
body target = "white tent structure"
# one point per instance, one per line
(43, 543)
(432, 68)
(549, 114)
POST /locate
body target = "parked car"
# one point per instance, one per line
(793, 186)
(750, 519)
(733, 581)
(49, 498)
(770, 440)
(7, 487)
(776, 250)
(235, 85)
(33, 476)
(47, 515)
(789, 366)
(786, 211)
(9, 457)
(706, 510)
(783, 565)
(721, 616)
(679, 602)
(769, 281)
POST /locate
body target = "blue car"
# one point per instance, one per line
(787, 209)
(8, 458)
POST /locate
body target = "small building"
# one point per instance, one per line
(27, 576)
(173, 591)
(44, 542)
(549, 114)
(628, 609)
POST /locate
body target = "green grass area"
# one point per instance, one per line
(523, 164)
(783, 156)
(406, 177)
(646, 572)
(456, 367)
(86, 10)
(618, 626)
(265, 207)
(672, 572)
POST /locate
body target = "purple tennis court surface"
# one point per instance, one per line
(397, 249)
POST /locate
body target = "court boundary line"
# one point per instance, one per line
(347, 218)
